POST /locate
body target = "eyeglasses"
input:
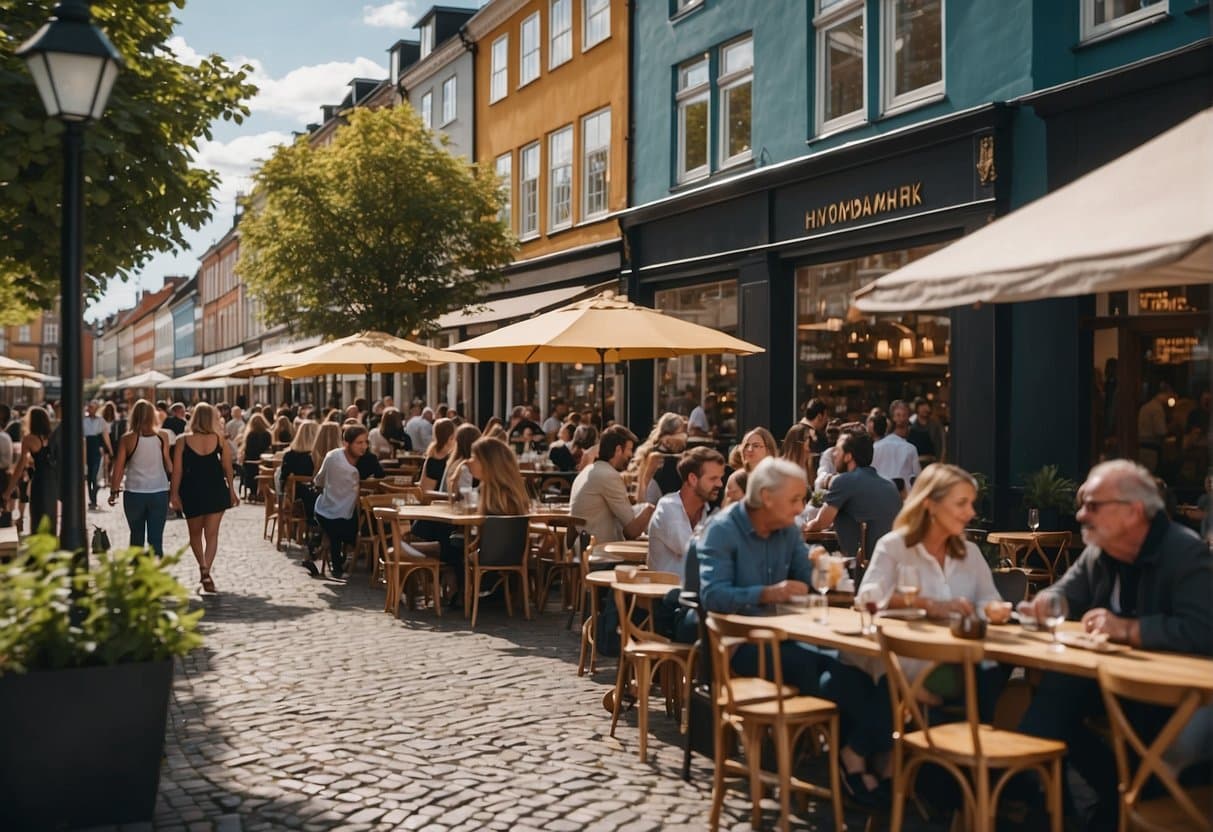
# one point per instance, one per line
(751, 446)
(1092, 506)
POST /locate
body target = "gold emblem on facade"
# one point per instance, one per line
(985, 160)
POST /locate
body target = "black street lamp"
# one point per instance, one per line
(74, 66)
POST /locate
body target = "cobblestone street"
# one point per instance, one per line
(309, 708)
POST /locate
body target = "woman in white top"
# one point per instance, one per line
(928, 536)
(458, 471)
(337, 503)
(142, 458)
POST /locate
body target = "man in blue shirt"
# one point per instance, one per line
(753, 556)
(858, 494)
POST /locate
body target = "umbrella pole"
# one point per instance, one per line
(369, 397)
(602, 419)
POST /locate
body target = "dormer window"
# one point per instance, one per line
(427, 38)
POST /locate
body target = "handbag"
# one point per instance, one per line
(101, 541)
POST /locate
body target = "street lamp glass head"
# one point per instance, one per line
(73, 64)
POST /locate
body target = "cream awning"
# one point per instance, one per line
(1143, 220)
(522, 306)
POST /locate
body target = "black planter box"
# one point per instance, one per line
(82, 747)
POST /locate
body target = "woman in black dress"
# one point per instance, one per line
(202, 486)
(40, 454)
(254, 441)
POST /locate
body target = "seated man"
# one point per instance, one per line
(600, 497)
(858, 495)
(679, 514)
(1143, 581)
(752, 556)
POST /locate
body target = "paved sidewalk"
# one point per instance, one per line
(310, 708)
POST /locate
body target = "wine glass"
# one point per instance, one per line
(821, 583)
(908, 584)
(1033, 519)
(1055, 611)
(871, 599)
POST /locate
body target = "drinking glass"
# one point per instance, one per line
(1055, 611)
(821, 583)
(872, 599)
(907, 584)
(1033, 519)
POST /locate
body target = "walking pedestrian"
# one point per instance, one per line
(96, 446)
(142, 458)
(202, 486)
(40, 455)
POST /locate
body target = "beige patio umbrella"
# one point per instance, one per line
(602, 329)
(10, 365)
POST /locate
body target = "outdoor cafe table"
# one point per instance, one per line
(635, 551)
(452, 515)
(1007, 643)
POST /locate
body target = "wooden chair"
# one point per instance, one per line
(643, 652)
(968, 750)
(753, 707)
(1045, 558)
(1012, 584)
(292, 520)
(503, 548)
(396, 483)
(398, 564)
(564, 561)
(560, 486)
(1179, 808)
(369, 538)
(265, 488)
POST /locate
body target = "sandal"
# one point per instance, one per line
(858, 792)
(310, 566)
(208, 583)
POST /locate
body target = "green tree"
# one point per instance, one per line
(142, 192)
(380, 229)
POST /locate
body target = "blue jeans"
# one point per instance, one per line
(146, 513)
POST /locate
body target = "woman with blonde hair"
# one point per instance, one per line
(203, 486)
(458, 474)
(283, 431)
(756, 446)
(297, 459)
(502, 490)
(328, 437)
(142, 459)
(654, 460)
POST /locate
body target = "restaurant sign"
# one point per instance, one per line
(868, 205)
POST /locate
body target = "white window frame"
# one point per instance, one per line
(525, 233)
(586, 15)
(23, 334)
(503, 166)
(427, 38)
(499, 73)
(48, 364)
(835, 13)
(681, 7)
(586, 212)
(427, 109)
(1091, 31)
(564, 132)
(523, 53)
(449, 113)
(560, 41)
(683, 98)
(724, 83)
(50, 333)
(894, 103)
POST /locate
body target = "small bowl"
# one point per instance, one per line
(998, 612)
(968, 626)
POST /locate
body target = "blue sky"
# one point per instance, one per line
(304, 53)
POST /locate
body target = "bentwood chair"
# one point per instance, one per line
(367, 545)
(1178, 808)
(399, 562)
(970, 751)
(754, 708)
(504, 549)
(265, 489)
(292, 519)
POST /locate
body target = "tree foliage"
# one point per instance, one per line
(142, 192)
(381, 229)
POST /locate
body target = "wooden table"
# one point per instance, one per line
(1051, 565)
(597, 581)
(825, 536)
(633, 551)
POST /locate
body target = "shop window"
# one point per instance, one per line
(499, 81)
(693, 108)
(858, 361)
(50, 364)
(504, 168)
(595, 163)
(528, 193)
(597, 22)
(913, 52)
(841, 64)
(448, 100)
(577, 384)
(528, 65)
(560, 23)
(560, 179)
(683, 382)
(1102, 17)
(736, 83)
(427, 110)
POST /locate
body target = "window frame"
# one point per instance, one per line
(506, 214)
(453, 100)
(723, 84)
(682, 99)
(1090, 31)
(503, 70)
(586, 16)
(523, 232)
(523, 80)
(427, 109)
(427, 39)
(50, 333)
(586, 213)
(567, 222)
(681, 8)
(936, 90)
(837, 13)
(553, 34)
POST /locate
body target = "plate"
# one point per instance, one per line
(907, 614)
(1084, 641)
(848, 631)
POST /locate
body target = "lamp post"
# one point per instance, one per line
(74, 66)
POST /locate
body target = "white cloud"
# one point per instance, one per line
(235, 162)
(394, 14)
(184, 53)
(299, 94)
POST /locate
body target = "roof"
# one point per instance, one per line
(153, 300)
(433, 10)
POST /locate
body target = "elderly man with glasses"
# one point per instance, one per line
(1142, 580)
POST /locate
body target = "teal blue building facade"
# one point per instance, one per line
(785, 152)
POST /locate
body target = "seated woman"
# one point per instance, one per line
(283, 431)
(560, 452)
(502, 490)
(337, 503)
(928, 537)
(458, 471)
(654, 461)
(254, 441)
(389, 436)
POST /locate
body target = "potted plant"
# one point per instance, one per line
(1051, 494)
(86, 669)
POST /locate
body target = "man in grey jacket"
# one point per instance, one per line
(1142, 580)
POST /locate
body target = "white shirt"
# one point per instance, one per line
(698, 419)
(825, 470)
(94, 426)
(379, 445)
(420, 433)
(340, 481)
(669, 532)
(6, 451)
(551, 425)
(894, 457)
(233, 429)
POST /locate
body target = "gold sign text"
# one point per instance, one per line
(868, 205)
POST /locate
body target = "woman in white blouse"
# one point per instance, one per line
(929, 536)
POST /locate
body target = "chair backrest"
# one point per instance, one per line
(1128, 745)
(1054, 548)
(1012, 584)
(725, 639)
(903, 691)
(561, 487)
(504, 540)
(632, 619)
(690, 566)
